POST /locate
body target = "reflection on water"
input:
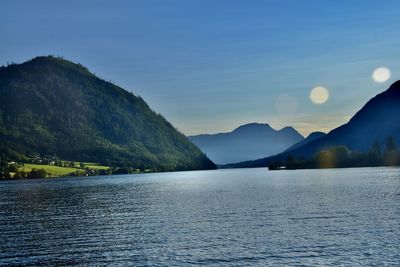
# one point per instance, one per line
(224, 217)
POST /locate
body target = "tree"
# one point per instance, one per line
(19, 174)
(37, 173)
(12, 167)
(374, 157)
(4, 169)
(391, 144)
(391, 156)
(376, 148)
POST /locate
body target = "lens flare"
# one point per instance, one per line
(381, 75)
(319, 95)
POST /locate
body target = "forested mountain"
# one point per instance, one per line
(52, 107)
(375, 123)
(250, 141)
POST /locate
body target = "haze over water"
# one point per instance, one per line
(224, 217)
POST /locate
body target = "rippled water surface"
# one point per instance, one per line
(227, 217)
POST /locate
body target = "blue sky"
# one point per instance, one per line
(210, 66)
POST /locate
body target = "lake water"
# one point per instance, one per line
(243, 217)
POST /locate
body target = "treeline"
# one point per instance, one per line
(12, 171)
(343, 157)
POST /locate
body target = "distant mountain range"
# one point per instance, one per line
(375, 122)
(250, 141)
(52, 107)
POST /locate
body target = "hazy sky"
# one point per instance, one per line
(209, 66)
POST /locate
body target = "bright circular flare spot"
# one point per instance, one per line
(319, 95)
(381, 75)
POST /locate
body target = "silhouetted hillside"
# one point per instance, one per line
(50, 106)
(311, 137)
(377, 121)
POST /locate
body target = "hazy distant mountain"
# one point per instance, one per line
(311, 137)
(250, 141)
(376, 121)
(50, 106)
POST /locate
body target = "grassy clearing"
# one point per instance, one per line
(54, 171)
(91, 165)
(97, 167)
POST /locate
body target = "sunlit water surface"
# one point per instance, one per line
(227, 217)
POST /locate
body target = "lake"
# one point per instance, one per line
(232, 217)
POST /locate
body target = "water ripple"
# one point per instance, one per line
(249, 217)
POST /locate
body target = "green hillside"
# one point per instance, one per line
(52, 107)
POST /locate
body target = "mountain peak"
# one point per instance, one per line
(50, 59)
(56, 61)
(253, 126)
(290, 130)
(315, 134)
